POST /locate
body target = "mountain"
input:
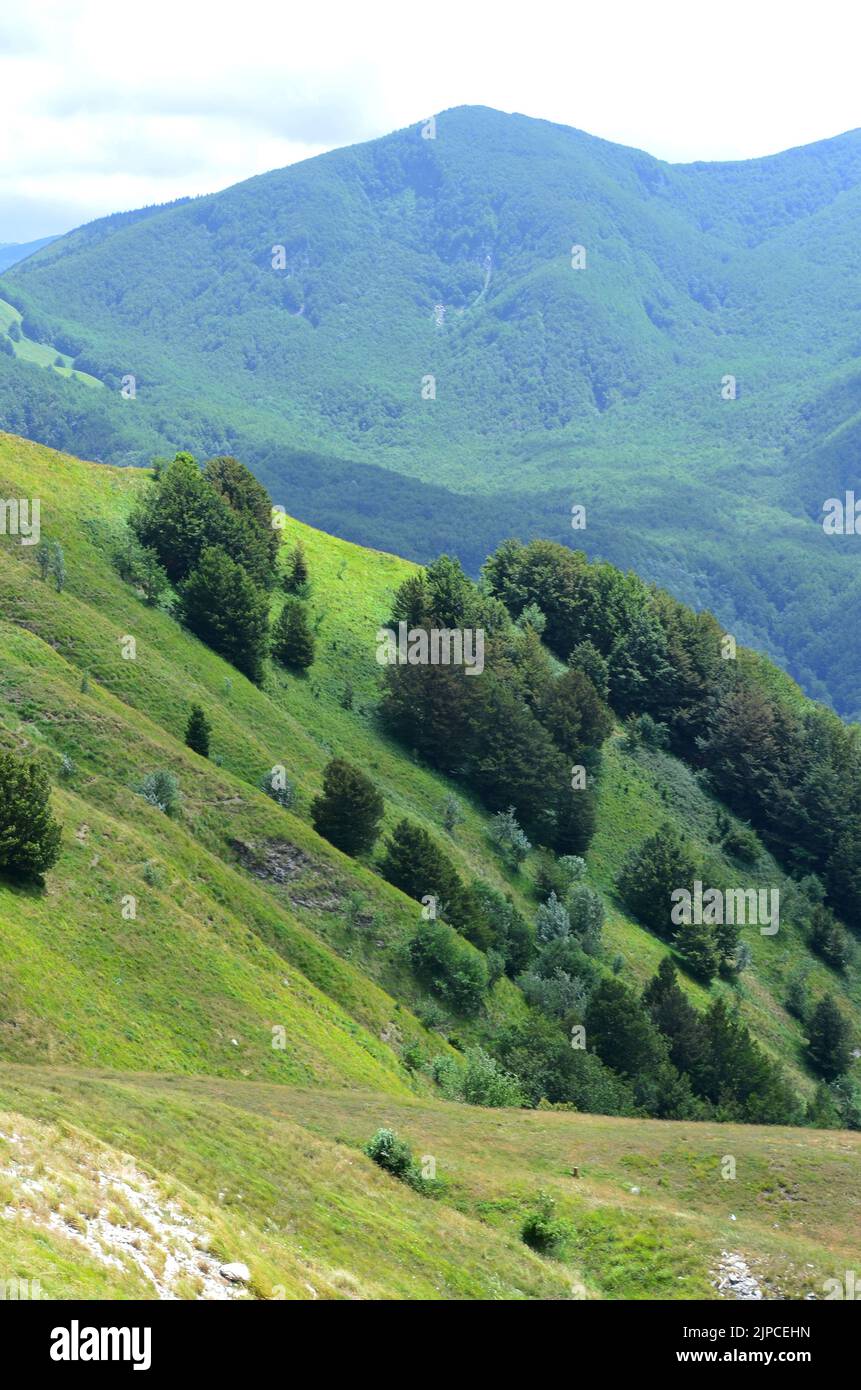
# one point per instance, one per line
(220, 1052)
(13, 251)
(429, 372)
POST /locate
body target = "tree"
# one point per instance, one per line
(828, 939)
(574, 715)
(295, 577)
(552, 920)
(651, 874)
(57, 565)
(29, 834)
(292, 638)
(161, 789)
(450, 966)
(619, 1029)
(586, 914)
(508, 837)
(843, 880)
(197, 731)
(452, 814)
(349, 811)
(674, 1017)
(696, 942)
(226, 610)
(251, 503)
(415, 863)
(829, 1039)
(189, 511)
(586, 658)
(139, 565)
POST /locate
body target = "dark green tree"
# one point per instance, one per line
(620, 1030)
(197, 731)
(292, 638)
(651, 874)
(295, 577)
(349, 811)
(225, 609)
(29, 834)
(674, 1017)
(829, 1039)
(574, 715)
(415, 863)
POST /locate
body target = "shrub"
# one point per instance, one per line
(161, 790)
(153, 875)
(394, 1155)
(29, 834)
(485, 1082)
(139, 565)
(740, 842)
(541, 1230)
(449, 966)
(277, 784)
(508, 838)
(390, 1152)
(552, 920)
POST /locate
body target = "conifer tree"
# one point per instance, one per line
(292, 638)
(29, 834)
(197, 731)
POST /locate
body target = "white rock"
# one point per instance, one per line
(235, 1273)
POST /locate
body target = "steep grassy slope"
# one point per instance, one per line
(410, 258)
(241, 885)
(246, 922)
(275, 1177)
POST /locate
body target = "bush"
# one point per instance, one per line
(508, 838)
(29, 834)
(161, 790)
(552, 920)
(139, 565)
(277, 784)
(741, 843)
(541, 1230)
(349, 812)
(449, 966)
(485, 1082)
(390, 1152)
(153, 875)
(395, 1156)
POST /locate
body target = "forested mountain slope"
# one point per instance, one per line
(399, 341)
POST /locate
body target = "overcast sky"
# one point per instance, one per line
(108, 106)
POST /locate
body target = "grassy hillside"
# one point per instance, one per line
(450, 258)
(275, 1177)
(247, 922)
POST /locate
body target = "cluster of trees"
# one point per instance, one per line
(652, 1054)
(793, 773)
(514, 733)
(651, 873)
(208, 532)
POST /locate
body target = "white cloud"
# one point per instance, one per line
(107, 106)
